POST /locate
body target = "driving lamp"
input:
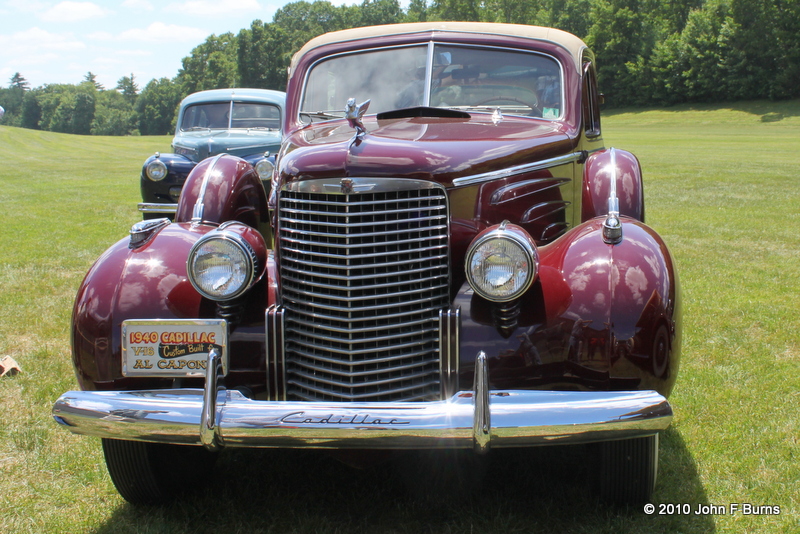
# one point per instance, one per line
(502, 263)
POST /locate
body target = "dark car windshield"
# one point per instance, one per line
(230, 115)
(437, 75)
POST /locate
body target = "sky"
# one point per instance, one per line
(59, 41)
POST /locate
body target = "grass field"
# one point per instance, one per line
(722, 187)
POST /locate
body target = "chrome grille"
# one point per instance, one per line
(363, 277)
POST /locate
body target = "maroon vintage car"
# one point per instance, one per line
(448, 256)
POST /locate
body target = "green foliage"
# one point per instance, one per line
(212, 65)
(262, 56)
(114, 115)
(157, 107)
(128, 87)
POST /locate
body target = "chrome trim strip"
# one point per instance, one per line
(519, 169)
(274, 325)
(384, 185)
(552, 183)
(199, 207)
(449, 346)
(612, 227)
(518, 419)
(155, 207)
(482, 421)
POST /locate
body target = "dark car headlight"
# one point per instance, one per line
(224, 264)
(156, 170)
(502, 263)
(264, 169)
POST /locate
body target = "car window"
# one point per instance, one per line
(223, 115)
(445, 76)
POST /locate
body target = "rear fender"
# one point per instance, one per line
(600, 169)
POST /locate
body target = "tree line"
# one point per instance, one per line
(649, 53)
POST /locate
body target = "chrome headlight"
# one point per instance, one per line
(264, 169)
(156, 170)
(222, 265)
(502, 263)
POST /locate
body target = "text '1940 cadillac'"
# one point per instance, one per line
(447, 257)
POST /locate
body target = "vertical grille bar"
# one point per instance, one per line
(364, 275)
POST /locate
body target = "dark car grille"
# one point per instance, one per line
(363, 277)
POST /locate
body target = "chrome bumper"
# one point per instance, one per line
(154, 207)
(478, 419)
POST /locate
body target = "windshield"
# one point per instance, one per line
(230, 115)
(454, 77)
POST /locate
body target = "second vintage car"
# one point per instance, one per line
(448, 256)
(242, 122)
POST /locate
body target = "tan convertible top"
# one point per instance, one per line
(571, 43)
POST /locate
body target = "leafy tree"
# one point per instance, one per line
(787, 35)
(376, 12)
(91, 79)
(31, 110)
(262, 56)
(468, 10)
(19, 82)
(128, 88)
(751, 49)
(302, 21)
(114, 115)
(417, 11)
(621, 36)
(568, 15)
(157, 106)
(211, 65)
(11, 100)
(510, 11)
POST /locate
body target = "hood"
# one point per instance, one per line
(198, 146)
(437, 149)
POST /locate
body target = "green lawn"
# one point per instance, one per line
(721, 185)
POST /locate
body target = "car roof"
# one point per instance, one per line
(574, 45)
(236, 94)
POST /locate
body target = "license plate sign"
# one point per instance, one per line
(172, 348)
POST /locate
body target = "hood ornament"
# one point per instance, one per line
(354, 113)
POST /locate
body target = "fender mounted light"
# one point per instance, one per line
(502, 263)
(226, 262)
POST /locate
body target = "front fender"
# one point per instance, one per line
(599, 316)
(178, 168)
(125, 283)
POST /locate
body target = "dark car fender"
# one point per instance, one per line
(599, 316)
(178, 168)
